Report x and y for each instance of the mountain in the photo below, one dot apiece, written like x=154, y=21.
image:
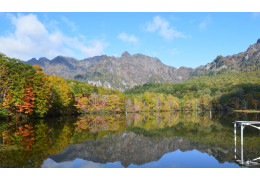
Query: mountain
x=128, y=70
x=119, y=73
x=66, y=67
x=248, y=60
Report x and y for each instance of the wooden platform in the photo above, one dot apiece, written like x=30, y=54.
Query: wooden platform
x=248, y=123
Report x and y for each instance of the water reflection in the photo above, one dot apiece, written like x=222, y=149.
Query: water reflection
x=132, y=140
x=240, y=160
x=176, y=159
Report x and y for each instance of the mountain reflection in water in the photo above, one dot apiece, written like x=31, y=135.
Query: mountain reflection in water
x=134, y=140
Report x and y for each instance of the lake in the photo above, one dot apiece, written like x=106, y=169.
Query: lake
x=134, y=140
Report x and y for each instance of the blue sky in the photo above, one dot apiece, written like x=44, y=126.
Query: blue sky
x=177, y=39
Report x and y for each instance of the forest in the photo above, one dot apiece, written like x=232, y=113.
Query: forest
x=222, y=92
x=27, y=93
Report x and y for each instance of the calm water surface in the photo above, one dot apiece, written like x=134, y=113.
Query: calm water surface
x=147, y=140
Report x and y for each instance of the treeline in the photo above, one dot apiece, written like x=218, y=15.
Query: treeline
x=219, y=92
x=81, y=89
x=93, y=99
x=224, y=92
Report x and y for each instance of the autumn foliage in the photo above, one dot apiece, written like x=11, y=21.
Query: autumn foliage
x=26, y=92
x=26, y=133
x=28, y=102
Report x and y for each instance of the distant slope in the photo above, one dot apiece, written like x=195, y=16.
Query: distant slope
x=65, y=67
x=119, y=73
x=198, y=86
x=248, y=60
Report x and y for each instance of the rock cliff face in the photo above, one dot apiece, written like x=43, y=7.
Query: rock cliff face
x=119, y=73
x=128, y=71
x=248, y=60
x=130, y=148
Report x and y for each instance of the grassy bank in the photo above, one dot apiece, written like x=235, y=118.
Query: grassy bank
x=248, y=111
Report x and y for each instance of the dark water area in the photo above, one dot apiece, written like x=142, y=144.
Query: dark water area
x=145, y=140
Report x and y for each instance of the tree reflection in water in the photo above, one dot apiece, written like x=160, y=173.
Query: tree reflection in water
x=135, y=139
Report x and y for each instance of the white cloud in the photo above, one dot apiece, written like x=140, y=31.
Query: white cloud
x=69, y=23
x=32, y=39
x=203, y=25
x=96, y=47
x=49, y=163
x=164, y=28
x=127, y=38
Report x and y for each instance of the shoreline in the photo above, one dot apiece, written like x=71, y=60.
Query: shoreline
x=248, y=111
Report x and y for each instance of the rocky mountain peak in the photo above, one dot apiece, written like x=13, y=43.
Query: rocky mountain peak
x=125, y=54
x=43, y=59
x=43, y=62
x=33, y=59
x=237, y=62
x=255, y=46
x=59, y=58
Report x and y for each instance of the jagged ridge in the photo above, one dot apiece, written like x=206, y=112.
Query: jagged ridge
x=119, y=73
x=248, y=60
x=128, y=70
